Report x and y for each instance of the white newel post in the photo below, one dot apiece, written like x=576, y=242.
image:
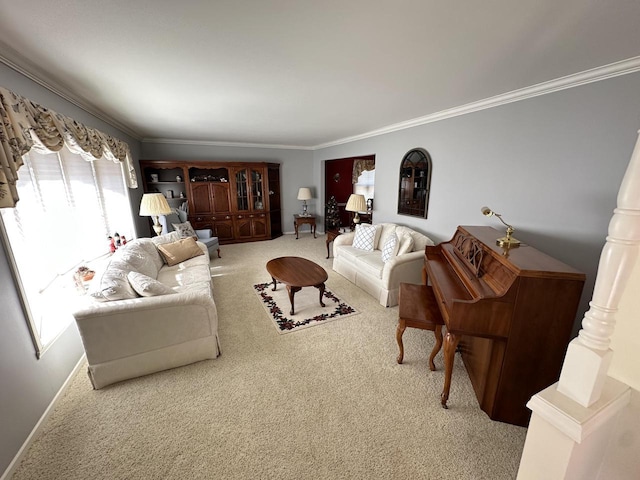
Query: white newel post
x=588, y=356
x=572, y=420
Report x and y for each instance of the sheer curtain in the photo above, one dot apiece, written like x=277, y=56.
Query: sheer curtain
x=68, y=207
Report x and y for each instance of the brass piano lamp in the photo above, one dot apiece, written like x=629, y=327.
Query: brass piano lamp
x=507, y=241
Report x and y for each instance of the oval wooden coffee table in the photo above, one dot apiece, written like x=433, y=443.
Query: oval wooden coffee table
x=295, y=273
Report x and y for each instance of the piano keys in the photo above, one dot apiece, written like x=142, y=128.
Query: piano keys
x=509, y=311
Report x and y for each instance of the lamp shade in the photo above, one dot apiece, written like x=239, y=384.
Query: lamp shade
x=356, y=203
x=304, y=194
x=154, y=204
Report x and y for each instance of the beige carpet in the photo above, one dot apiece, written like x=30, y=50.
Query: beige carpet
x=327, y=402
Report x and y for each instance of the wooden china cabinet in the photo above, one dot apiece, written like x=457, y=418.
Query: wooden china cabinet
x=239, y=201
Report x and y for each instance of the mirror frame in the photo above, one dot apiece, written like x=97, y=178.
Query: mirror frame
x=415, y=183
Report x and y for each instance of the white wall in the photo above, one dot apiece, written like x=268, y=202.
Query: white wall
x=552, y=165
x=296, y=168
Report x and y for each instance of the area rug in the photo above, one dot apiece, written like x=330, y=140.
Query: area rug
x=308, y=312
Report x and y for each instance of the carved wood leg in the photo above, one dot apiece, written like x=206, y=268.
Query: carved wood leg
x=399, y=332
x=436, y=348
x=295, y=224
x=292, y=291
x=450, y=344
x=274, y=284
x=219, y=254
x=321, y=288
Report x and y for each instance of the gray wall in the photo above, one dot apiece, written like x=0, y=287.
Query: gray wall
x=552, y=165
x=28, y=385
x=296, y=168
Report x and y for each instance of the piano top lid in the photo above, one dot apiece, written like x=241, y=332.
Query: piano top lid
x=526, y=260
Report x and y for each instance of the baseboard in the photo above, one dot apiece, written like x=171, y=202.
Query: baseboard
x=8, y=473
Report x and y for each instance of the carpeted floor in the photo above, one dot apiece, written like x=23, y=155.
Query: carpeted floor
x=327, y=402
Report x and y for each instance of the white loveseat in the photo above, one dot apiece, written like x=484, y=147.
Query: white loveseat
x=143, y=316
x=371, y=273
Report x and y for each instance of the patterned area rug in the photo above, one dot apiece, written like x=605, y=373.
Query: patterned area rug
x=308, y=312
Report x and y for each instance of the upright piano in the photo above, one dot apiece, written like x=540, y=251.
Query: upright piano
x=510, y=313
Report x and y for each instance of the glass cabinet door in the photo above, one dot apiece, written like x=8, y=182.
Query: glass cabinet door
x=242, y=190
x=257, y=190
x=415, y=183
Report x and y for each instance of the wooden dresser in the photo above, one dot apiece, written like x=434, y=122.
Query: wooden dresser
x=239, y=201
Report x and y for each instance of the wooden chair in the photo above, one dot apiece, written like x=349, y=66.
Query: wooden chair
x=418, y=309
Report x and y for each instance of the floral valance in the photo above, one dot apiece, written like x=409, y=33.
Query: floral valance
x=26, y=125
x=359, y=166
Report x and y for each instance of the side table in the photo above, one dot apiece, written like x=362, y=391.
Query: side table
x=301, y=220
x=331, y=236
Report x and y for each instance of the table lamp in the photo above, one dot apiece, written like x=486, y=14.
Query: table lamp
x=304, y=194
x=153, y=205
x=356, y=203
x=507, y=241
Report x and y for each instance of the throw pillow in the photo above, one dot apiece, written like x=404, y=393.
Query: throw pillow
x=146, y=286
x=406, y=244
x=365, y=237
x=390, y=248
x=185, y=230
x=176, y=252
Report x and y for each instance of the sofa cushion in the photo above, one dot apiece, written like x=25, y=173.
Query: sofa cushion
x=176, y=252
x=185, y=274
x=406, y=244
x=386, y=230
x=141, y=256
x=185, y=230
x=111, y=283
x=365, y=237
x=419, y=240
x=371, y=264
x=146, y=286
x=390, y=247
x=165, y=238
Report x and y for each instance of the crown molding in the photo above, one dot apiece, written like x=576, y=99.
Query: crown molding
x=23, y=66
x=605, y=72
x=623, y=67
x=224, y=144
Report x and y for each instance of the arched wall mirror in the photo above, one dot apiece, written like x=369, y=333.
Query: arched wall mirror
x=415, y=183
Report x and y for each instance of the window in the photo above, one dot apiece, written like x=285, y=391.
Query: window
x=68, y=207
x=366, y=183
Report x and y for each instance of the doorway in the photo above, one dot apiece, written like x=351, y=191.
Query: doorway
x=339, y=182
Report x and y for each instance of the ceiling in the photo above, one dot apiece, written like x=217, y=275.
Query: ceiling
x=302, y=73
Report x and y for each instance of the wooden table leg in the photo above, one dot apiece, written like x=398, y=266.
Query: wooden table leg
x=274, y=284
x=399, y=332
x=314, y=229
x=295, y=224
x=292, y=291
x=321, y=288
x=436, y=348
x=450, y=344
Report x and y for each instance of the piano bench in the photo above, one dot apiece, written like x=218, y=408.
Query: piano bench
x=418, y=309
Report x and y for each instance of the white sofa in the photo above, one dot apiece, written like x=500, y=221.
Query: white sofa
x=368, y=270
x=173, y=323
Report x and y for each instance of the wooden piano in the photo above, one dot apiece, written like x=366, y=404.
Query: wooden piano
x=510, y=312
